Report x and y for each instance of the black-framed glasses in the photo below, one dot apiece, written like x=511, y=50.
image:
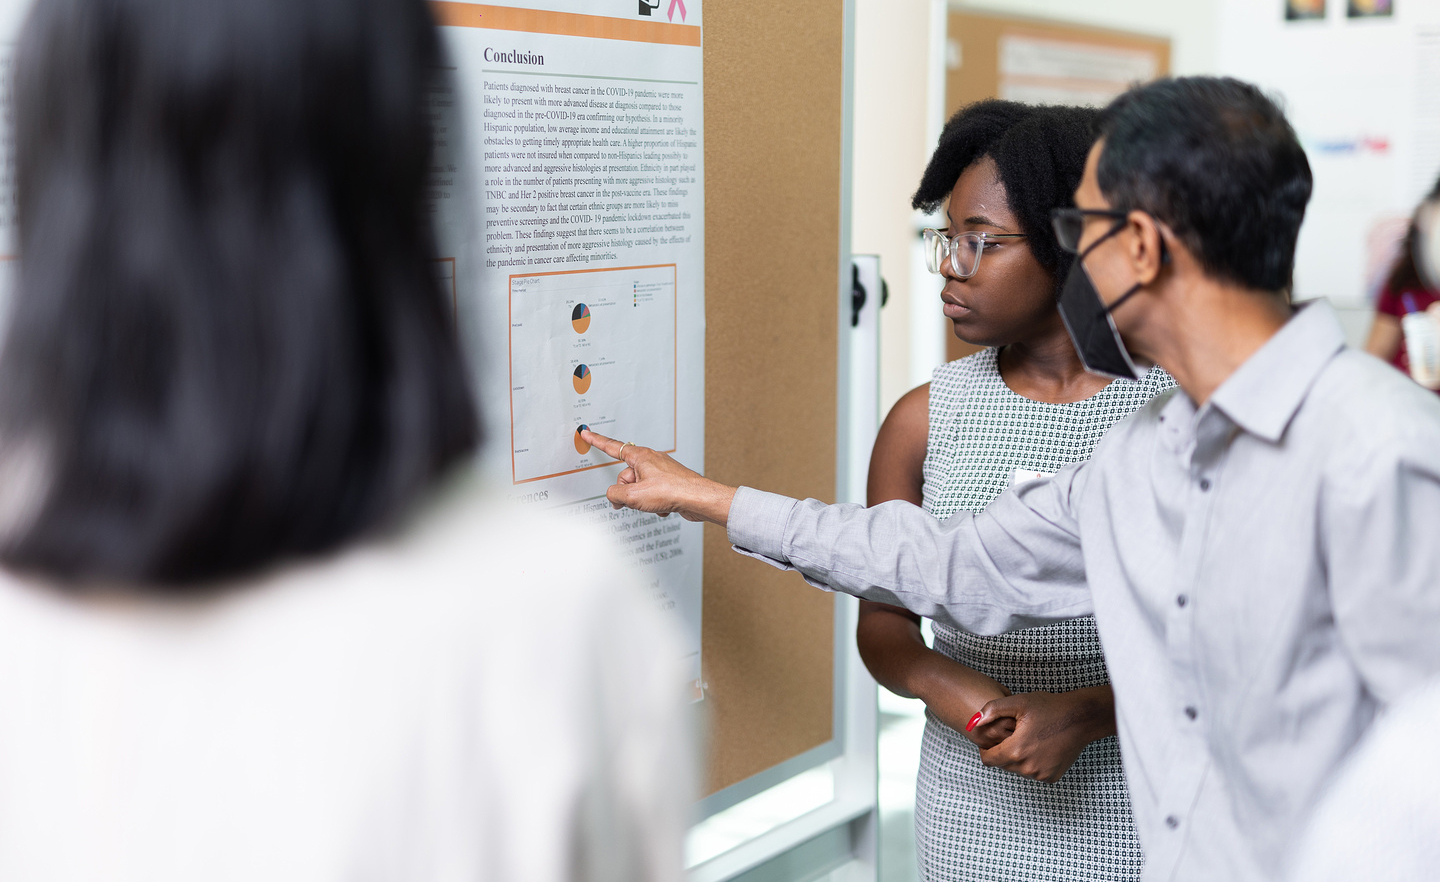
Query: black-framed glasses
x=1069, y=224
x=962, y=250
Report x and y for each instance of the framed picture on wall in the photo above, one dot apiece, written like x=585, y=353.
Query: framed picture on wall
x=1370, y=8
x=1301, y=10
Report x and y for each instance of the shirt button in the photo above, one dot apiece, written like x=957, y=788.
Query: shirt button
x=1204, y=484
x=1181, y=600
x=1191, y=712
x=1172, y=822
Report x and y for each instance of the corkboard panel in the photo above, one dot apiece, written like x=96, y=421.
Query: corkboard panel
x=978, y=76
x=773, y=77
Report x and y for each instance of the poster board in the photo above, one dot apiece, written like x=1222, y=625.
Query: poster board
x=1041, y=62
x=754, y=398
x=773, y=116
x=568, y=198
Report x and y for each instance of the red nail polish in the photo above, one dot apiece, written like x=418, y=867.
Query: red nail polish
x=973, y=720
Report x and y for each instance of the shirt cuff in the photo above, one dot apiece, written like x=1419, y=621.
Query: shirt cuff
x=756, y=528
x=757, y=522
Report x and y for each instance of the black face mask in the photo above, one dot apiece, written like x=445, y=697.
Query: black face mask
x=1091, y=328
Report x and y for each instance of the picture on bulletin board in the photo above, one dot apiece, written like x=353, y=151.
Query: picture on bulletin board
x=1370, y=8
x=1300, y=10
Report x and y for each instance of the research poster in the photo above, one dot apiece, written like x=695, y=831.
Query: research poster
x=569, y=202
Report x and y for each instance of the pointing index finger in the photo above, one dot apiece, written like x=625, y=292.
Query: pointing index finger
x=609, y=446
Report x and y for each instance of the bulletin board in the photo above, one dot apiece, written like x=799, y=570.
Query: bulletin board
x=566, y=192
x=773, y=102
x=1036, y=61
x=552, y=88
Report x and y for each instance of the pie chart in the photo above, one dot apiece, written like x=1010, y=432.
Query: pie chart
x=582, y=379
x=580, y=318
x=580, y=446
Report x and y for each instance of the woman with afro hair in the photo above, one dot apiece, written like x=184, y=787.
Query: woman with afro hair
x=1038, y=793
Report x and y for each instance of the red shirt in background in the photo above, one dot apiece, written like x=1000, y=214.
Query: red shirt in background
x=1407, y=300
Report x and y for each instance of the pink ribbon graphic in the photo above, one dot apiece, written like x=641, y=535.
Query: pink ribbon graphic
x=675, y=3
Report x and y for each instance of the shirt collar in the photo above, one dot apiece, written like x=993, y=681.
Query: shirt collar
x=1265, y=392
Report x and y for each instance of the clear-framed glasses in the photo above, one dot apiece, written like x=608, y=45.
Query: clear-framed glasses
x=1069, y=224
x=962, y=250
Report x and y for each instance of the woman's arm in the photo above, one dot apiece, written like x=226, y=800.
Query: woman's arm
x=1048, y=730
x=1384, y=340
x=889, y=637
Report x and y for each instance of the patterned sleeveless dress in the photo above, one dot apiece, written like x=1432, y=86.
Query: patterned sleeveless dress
x=978, y=823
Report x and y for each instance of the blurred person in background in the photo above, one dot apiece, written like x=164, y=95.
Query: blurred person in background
x=257, y=621
x=1039, y=790
x=1404, y=293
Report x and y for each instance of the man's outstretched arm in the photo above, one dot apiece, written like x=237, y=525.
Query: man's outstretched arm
x=1016, y=566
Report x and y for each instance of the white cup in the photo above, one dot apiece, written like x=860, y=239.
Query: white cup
x=1422, y=345
x=1427, y=250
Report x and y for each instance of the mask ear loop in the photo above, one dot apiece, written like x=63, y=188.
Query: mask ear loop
x=1106, y=310
x=1134, y=289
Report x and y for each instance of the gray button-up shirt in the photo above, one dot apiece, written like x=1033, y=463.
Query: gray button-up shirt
x=1263, y=571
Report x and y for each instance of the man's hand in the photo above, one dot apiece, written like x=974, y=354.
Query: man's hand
x=1050, y=730
x=655, y=483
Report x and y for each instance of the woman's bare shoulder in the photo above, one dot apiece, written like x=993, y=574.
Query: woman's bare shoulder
x=896, y=465
x=911, y=411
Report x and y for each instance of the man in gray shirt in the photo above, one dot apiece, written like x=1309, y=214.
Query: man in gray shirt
x=1260, y=548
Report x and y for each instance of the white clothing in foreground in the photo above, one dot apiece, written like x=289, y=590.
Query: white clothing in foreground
x=484, y=697
x=1381, y=820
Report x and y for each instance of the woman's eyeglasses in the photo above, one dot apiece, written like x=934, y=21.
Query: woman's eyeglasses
x=962, y=250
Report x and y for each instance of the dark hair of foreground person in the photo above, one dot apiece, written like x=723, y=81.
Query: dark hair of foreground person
x=227, y=346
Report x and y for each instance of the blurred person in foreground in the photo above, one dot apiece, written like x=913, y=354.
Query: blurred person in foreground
x=1405, y=293
x=256, y=619
x=1380, y=818
x=1256, y=546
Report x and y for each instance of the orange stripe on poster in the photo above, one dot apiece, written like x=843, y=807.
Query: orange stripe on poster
x=565, y=24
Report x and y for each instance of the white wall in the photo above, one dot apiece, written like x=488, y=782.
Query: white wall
x=1354, y=90
x=1190, y=25
x=893, y=97
x=899, y=58
x=1348, y=87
